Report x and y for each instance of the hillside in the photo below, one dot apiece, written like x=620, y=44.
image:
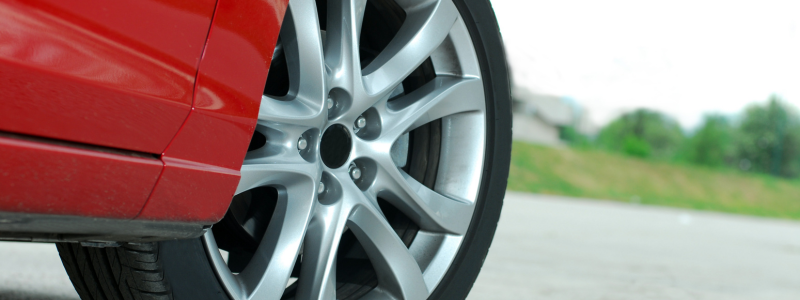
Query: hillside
x=602, y=175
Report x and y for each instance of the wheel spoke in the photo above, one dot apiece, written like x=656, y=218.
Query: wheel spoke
x=269, y=269
x=280, y=144
x=318, y=270
x=342, y=54
x=398, y=272
x=257, y=175
x=270, y=266
x=341, y=50
x=299, y=111
x=431, y=210
x=439, y=98
x=302, y=44
x=424, y=29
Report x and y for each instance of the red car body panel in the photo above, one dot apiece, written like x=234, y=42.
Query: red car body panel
x=117, y=74
x=202, y=163
x=105, y=82
x=51, y=178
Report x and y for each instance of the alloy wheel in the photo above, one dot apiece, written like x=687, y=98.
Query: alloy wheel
x=334, y=152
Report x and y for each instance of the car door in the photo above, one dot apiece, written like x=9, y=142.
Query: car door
x=111, y=73
x=91, y=94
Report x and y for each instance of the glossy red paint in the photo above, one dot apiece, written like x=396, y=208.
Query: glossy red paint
x=118, y=74
x=46, y=178
x=202, y=163
x=191, y=192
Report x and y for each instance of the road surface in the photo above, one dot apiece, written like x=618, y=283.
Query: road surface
x=562, y=248
x=558, y=248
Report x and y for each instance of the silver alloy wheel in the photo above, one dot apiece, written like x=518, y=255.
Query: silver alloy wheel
x=309, y=219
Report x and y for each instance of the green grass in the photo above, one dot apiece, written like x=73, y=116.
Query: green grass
x=603, y=175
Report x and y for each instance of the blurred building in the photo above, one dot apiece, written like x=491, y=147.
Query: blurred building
x=540, y=118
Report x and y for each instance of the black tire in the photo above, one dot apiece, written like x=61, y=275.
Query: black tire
x=481, y=22
x=182, y=270
x=132, y=271
x=141, y=271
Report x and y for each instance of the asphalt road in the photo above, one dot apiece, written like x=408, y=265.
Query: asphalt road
x=33, y=271
x=560, y=248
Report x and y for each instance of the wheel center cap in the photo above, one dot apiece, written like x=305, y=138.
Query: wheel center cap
x=335, y=146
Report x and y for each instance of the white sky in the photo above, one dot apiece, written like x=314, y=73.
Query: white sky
x=685, y=58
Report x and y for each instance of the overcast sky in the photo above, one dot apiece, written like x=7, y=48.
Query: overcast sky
x=685, y=58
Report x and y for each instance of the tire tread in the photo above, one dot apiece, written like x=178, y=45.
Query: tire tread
x=132, y=271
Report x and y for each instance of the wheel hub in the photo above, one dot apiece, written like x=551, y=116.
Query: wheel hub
x=335, y=146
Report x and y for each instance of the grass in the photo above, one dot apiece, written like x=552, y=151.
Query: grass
x=603, y=175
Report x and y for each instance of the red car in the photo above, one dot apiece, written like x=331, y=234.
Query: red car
x=255, y=149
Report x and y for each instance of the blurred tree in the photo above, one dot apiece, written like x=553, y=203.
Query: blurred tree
x=712, y=144
x=768, y=139
x=571, y=136
x=642, y=133
x=635, y=146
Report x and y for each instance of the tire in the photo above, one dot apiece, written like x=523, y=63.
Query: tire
x=482, y=24
x=187, y=269
x=132, y=271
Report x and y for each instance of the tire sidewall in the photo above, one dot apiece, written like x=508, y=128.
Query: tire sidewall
x=481, y=23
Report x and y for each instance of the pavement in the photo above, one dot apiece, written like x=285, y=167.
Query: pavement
x=33, y=271
x=557, y=248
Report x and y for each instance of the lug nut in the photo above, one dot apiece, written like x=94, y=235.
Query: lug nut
x=321, y=187
x=355, y=172
x=302, y=143
x=361, y=122
x=329, y=102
